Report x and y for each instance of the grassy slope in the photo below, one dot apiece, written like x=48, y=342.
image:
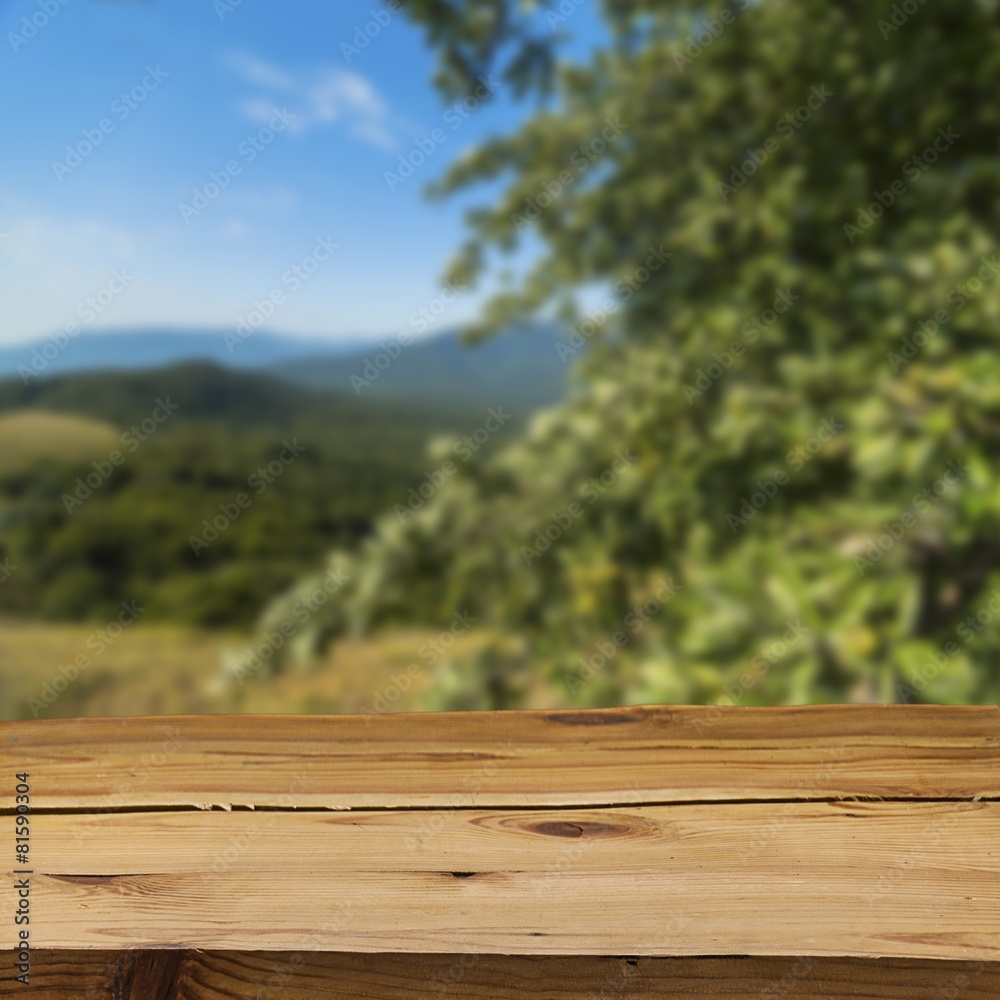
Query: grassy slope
x=205, y=392
x=166, y=670
x=27, y=436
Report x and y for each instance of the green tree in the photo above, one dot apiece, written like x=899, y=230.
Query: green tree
x=796, y=414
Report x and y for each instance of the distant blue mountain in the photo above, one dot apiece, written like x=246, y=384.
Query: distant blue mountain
x=155, y=348
x=518, y=368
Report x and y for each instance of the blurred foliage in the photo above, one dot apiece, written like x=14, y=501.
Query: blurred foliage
x=80, y=550
x=841, y=585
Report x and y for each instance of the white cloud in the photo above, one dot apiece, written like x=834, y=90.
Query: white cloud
x=258, y=71
x=375, y=133
x=338, y=89
x=260, y=112
x=327, y=95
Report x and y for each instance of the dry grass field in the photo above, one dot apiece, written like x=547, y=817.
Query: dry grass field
x=167, y=670
x=27, y=436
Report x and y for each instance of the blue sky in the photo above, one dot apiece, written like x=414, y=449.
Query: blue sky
x=177, y=92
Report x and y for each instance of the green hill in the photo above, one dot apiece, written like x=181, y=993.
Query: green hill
x=31, y=436
x=204, y=391
x=131, y=472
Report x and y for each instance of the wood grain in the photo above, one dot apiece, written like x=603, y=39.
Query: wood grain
x=108, y=975
x=713, y=879
x=469, y=760
x=867, y=832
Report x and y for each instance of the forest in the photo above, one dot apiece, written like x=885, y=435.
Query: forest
x=118, y=498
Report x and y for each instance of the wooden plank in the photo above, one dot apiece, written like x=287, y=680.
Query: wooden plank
x=58, y=975
x=112, y=975
x=711, y=879
x=154, y=975
x=647, y=838
x=96, y=975
x=468, y=760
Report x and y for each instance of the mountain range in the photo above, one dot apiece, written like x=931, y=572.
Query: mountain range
x=155, y=347
x=518, y=368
